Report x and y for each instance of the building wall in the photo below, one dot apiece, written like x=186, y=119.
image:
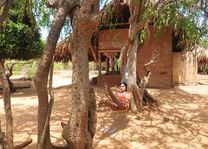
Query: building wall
x=112, y=39
x=162, y=71
x=184, y=68
x=172, y=68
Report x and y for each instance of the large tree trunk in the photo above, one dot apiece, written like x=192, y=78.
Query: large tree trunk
x=137, y=87
x=41, y=77
x=7, y=108
x=136, y=11
x=80, y=129
x=76, y=131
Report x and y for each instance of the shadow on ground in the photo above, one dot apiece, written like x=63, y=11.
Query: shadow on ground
x=179, y=123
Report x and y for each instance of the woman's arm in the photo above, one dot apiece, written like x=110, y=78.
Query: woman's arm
x=128, y=97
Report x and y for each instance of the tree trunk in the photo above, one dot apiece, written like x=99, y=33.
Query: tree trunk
x=4, y=13
x=2, y=138
x=136, y=10
x=92, y=116
x=49, y=108
x=7, y=108
x=76, y=131
x=41, y=76
x=80, y=129
x=8, y=75
x=132, y=60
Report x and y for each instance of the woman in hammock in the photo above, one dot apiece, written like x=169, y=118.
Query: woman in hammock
x=121, y=100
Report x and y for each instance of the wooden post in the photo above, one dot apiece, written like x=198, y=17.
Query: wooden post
x=107, y=65
x=99, y=60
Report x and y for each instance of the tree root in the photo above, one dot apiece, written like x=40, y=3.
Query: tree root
x=24, y=144
x=60, y=147
x=148, y=100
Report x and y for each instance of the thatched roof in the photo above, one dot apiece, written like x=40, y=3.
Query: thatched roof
x=202, y=55
x=62, y=53
x=116, y=15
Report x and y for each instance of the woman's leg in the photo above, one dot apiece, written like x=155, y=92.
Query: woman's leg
x=114, y=106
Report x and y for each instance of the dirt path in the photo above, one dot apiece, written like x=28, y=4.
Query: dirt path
x=180, y=123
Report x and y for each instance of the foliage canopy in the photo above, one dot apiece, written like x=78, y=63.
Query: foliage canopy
x=20, y=38
x=188, y=19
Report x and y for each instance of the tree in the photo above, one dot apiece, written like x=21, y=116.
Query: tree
x=7, y=109
x=80, y=130
x=19, y=39
x=41, y=76
x=160, y=13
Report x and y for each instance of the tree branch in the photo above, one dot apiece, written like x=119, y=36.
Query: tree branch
x=10, y=69
x=99, y=17
x=138, y=91
x=24, y=144
x=2, y=3
x=154, y=59
x=135, y=30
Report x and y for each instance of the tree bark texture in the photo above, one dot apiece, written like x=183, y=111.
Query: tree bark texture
x=80, y=129
x=41, y=76
x=132, y=60
x=76, y=131
x=2, y=138
x=7, y=108
x=6, y=6
x=49, y=109
x=136, y=10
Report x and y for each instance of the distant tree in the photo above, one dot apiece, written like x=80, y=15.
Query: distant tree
x=20, y=40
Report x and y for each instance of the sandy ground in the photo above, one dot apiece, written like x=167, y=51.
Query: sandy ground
x=180, y=123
